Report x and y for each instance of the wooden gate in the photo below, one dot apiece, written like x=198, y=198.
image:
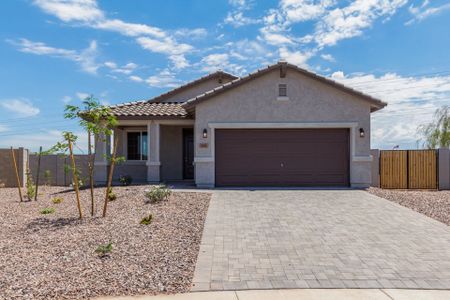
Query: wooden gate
x=408, y=169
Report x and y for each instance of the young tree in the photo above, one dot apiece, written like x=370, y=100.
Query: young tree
x=437, y=133
x=63, y=147
x=98, y=121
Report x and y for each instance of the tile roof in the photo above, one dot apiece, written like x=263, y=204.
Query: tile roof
x=190, y=103
x=217, y=74
x=148, y=109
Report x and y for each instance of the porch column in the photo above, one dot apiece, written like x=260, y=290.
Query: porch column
x=153, y=163
x=102, y=151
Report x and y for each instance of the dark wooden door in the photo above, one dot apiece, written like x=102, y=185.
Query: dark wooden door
x=282, y=157
x=188, y=153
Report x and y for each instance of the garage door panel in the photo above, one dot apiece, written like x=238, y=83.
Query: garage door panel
x=299, y=157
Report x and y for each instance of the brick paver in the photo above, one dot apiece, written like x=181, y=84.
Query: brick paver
x=267, y=239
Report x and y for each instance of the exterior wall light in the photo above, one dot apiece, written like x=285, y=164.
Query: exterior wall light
x=362, y=133
x=205, y=133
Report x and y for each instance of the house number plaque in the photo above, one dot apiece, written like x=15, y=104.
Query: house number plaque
x=203, y=145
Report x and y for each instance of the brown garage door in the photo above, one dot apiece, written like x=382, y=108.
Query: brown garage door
x=282, y=157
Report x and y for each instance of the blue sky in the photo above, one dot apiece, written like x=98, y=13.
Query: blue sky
x=57, y=52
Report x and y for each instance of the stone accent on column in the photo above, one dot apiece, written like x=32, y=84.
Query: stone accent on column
x=153, y=163
x=102, y=150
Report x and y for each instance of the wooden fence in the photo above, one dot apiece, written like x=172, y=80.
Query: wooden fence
x=409, y=169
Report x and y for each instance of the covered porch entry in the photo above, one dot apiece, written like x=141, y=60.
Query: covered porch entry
x=154, y=151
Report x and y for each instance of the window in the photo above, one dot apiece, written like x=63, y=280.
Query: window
x=137, y=145
x=282, y=90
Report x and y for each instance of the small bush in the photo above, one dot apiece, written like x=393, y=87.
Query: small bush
x=31, y=189
x=111, y=195
x=103, y=250
x=47, y=210
x=48, y=177
x=147, y=220
x=57, y=200
x=158, y=193
x=125, y=180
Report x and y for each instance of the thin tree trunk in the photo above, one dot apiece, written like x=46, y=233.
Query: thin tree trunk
x=17, y=174
x=37, y=174
x=75, y=179
x=91, y=172
x=110, y=175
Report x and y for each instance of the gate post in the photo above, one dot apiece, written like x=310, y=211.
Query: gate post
x=375, y=153
x=444, y=168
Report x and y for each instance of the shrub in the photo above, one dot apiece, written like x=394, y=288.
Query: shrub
x=111, y=195
x=47, y=210
x=158, y=193
x=57, y=200
x=125, y=180
x=103, y=250
x=31, y=189
x=48, y=177
x=147, y=220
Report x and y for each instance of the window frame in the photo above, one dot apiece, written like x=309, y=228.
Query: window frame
x=141, y=131
x=280, y=87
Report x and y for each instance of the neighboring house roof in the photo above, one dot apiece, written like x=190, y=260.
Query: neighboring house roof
x=376, y=104
x=217, y=74
x=148, y=109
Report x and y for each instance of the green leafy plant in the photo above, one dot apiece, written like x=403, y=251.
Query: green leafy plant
x=125, y=180
x=437, y=133
x=48, y=177
x=47, y=210
x=57, y=200
x=103, y=250
x=31, y=189
x=111, y=195
x=62, y=147
x=158, y=193
x=99, y=122
x=147, y=220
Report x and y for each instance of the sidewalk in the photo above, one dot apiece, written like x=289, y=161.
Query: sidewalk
x=302, y=294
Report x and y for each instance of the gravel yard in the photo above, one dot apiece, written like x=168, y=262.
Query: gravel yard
x=434, y=204
x=53, y=256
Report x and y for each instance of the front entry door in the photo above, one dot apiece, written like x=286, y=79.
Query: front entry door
x=188, y=153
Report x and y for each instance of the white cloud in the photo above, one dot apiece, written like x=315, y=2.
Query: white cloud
x=168, y=46
x=164, y=79
x=3, y=128
x=349, y=21
x=196, y=33
x=126, y=69
x=86, y=58
x=328, y=57
x=72, y=10
x=136, y=78
x=295, y=57
x=87, y=13
x=236, y=17
x=412, y=102
x=82, y=96
x=66, y=99
x=421, y=13
x=21, y=107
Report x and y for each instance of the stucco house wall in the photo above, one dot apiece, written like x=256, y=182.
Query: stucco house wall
x=310, y=101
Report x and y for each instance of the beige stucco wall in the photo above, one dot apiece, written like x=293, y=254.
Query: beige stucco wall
x=309, y=101
x=7, y=171
x=196, y=90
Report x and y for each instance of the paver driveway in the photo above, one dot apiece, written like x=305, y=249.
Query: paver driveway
x=319, y=239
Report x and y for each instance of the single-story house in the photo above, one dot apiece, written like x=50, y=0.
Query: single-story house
x=278, y=126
